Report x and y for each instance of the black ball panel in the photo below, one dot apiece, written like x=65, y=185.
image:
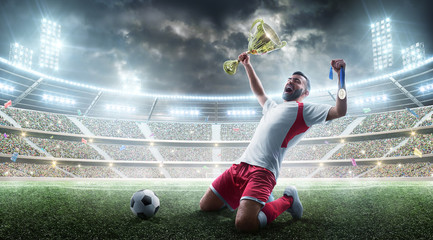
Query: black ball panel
x=146, y=200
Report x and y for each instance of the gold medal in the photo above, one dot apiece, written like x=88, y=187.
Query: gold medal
x=341, y=94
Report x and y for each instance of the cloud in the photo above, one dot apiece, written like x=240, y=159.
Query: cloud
x=178, y=47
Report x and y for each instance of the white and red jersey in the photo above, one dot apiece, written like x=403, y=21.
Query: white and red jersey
x=281, y=127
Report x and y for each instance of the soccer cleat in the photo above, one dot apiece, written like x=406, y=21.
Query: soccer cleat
x=296, y=209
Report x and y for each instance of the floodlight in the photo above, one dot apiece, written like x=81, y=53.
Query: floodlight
x=6, y=87
x=413, y=55
x=372, y=99
x=20, y=56
x=382, y=45
x=50, y=45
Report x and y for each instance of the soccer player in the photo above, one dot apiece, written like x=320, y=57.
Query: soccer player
x=246, y=186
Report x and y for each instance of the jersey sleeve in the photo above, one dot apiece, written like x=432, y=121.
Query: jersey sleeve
x=315, y=113
x=268, y=105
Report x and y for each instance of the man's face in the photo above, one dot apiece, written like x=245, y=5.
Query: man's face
x=294, y=87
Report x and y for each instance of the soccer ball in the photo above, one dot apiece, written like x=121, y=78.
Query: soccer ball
x=144, y=203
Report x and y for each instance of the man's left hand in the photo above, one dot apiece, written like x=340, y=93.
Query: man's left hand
x=337, y=64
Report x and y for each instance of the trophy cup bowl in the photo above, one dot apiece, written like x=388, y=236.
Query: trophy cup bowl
x=262, y=41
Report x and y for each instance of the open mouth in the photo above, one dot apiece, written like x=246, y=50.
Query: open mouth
x=288, y=89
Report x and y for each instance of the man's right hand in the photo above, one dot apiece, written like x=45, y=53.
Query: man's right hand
x=244, y=58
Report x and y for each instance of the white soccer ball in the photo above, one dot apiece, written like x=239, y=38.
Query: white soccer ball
x=144, y=204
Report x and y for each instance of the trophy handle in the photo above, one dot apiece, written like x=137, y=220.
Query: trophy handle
x=283, y=43
x=259, y=20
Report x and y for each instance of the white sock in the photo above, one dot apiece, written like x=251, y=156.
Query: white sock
x=263, y=220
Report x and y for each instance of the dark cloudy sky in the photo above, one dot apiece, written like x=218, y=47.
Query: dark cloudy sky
x=179, y=46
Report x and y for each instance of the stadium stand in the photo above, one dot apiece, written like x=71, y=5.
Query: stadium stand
x=42, y=121
x=181, y=131
x=129, y=152
x=175, y=131
x=422, y=142
x=112, y=128
x=388, y=121
x=66, y=149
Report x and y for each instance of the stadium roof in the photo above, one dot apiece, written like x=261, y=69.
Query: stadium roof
x=400, y=89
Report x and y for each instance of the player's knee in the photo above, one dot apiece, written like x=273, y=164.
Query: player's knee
x=246, y=224
x=204, y=206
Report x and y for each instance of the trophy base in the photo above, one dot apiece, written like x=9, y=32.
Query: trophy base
x=231, y=66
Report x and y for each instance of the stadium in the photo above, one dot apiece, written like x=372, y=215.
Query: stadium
x=71, y=157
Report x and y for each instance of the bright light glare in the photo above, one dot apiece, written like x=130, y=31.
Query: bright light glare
x=120, y=108
x=183, y=112
x=241, y=112
x=57, y=99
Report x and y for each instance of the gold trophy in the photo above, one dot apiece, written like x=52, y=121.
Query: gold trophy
x=264, y=40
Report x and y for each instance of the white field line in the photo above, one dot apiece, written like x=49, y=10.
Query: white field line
x=187, y=188
x=275, y=189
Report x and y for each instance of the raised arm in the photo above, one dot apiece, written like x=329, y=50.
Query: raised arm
x=255, y=84
x=340, y=108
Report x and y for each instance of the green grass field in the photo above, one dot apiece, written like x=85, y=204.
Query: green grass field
x=99, y=209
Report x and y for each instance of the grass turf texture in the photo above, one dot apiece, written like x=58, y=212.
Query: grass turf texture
x=99, y=209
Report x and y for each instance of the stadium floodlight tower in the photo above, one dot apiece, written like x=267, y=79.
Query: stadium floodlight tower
x=413, y=55
x=383, y=58
x=21, y=56
x=50, y=45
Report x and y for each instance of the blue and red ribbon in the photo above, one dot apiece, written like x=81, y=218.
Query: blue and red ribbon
x=342, y=76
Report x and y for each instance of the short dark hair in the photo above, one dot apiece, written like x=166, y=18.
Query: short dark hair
x=302, y=74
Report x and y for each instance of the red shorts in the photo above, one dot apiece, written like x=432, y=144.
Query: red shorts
x=244, y=181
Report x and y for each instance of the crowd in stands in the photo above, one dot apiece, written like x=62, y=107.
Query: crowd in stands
x=231, y=154
x=181, y=131
x=4, y=122
x=342, y=171
x=11, y=143
x=186, y=154
x=50, y=122
x=366, y=149
x=308, y=152
x=90, y=171
x=329, y=128
x=388, y=121
x=9, y=169
x=112, y=128
x=296, y=172
x=189, y=172
x=141, y=172
x=422, y=142
x=424, y=169
x=128, y=152
x=238, y=131
x=427, y=122
x=66, y=149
